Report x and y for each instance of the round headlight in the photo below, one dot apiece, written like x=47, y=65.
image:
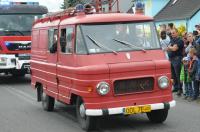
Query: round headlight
x=103, y=88
x=163, y=82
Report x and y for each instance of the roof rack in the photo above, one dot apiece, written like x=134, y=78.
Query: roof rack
x=91, y=8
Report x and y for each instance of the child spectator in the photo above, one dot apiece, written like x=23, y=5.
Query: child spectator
x=185, y=79
x=193, y=73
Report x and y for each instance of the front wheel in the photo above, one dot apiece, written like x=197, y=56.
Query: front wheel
x=158, y=116
x=47, y=102
x=87, y=122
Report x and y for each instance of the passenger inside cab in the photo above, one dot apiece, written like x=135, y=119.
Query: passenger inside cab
x=53, y=48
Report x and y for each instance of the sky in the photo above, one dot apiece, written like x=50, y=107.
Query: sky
x=52, y=5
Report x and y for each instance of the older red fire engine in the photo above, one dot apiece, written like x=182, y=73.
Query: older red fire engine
x=104, y=63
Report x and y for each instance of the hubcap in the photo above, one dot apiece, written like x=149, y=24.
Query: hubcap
x=82, y=110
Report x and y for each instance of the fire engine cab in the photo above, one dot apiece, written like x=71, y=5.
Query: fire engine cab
x=103, y=63
x=15, y=35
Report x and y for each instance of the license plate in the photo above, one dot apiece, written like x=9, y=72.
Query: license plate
x=137, y=109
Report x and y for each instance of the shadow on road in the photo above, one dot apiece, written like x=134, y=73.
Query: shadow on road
x=10, y=80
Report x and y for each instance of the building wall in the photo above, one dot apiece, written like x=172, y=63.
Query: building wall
x=152, y=7
x=194, y=21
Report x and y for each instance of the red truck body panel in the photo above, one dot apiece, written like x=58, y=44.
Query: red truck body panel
x=63, y=75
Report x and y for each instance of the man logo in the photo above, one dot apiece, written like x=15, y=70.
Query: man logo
x=128, y=56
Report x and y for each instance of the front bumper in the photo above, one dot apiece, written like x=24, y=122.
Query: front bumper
x=119, y=110
x=22, y=64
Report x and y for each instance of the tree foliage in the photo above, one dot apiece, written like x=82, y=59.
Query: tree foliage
x=70, y=3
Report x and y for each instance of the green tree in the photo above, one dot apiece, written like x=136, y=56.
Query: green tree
x=70, y=3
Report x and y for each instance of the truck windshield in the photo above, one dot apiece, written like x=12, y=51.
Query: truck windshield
x=117, y=37
x=17, y=25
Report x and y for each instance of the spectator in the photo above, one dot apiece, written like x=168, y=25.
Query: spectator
x=170, y=27
x=164, y=40
x=185, y=79
x=192, y=43
x=163, y=27
x=196, y=33
x=193, y=73
x=175, y=50
x=184, y=38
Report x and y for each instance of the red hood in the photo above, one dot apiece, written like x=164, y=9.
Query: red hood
x=124, y=62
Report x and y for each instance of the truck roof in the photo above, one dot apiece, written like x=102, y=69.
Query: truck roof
x=92, y=18
x=22, y=9
x=101, y=18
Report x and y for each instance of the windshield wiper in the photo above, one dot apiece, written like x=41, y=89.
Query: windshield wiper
x=19, y=32
x=100, y=45
x=128, y=44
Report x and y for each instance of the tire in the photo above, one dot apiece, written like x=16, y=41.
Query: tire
x=87, y=123
x=158, y=116
x=47, y=102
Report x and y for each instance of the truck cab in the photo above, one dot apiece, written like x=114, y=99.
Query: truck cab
x=15, y=35
x=103, y=63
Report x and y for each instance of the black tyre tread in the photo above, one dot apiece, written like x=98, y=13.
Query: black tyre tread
x=158, y=116
x=50, y=101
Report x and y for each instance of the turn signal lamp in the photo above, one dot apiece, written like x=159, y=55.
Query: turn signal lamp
x=89, y=89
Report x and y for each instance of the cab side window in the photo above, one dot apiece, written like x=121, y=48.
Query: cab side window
x=53, y=40
x=66, y=40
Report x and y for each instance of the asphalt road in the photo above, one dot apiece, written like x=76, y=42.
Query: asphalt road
x=19, y=112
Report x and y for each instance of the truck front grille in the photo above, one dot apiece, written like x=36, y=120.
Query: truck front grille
x=133, y=85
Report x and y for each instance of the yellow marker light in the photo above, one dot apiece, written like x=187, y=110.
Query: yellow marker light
x=89, y=89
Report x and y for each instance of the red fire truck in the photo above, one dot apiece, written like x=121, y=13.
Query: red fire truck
x=103, y=63
x=15, y=35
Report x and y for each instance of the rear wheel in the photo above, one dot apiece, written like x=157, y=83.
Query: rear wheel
x=87, y=122
x=47, y=102
x=158, y=116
